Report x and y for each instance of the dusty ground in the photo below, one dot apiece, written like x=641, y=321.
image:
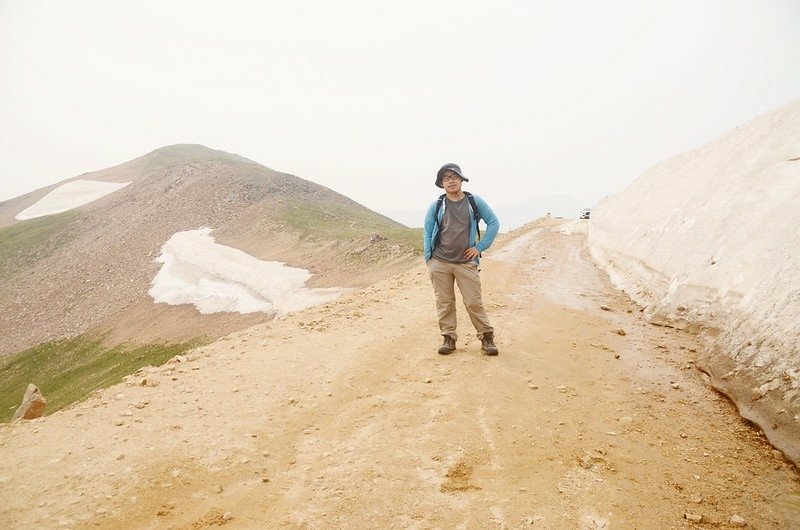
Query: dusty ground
x=344, y=416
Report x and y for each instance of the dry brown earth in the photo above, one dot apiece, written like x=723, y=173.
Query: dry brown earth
x=343, y=416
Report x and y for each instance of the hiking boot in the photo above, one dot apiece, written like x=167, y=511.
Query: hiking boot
x=448, y=346
x=487, y=344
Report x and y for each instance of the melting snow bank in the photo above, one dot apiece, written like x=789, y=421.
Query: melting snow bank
x=217, y=278
x=709, y=239
x=69, y=196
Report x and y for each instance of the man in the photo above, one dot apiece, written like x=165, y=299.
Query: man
x=452, y=247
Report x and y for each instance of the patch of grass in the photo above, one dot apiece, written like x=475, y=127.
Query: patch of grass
x=24, y=242
x=341, y=222
x=67, y=371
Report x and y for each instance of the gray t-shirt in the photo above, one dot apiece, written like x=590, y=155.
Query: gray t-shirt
x=453, y=232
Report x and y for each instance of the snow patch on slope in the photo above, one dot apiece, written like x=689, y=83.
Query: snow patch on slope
x=215, y=278
x=69, y=196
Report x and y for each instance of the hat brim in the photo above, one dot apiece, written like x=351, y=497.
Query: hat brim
x=444, y=170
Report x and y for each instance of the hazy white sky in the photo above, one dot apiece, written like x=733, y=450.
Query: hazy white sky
x=370, y=97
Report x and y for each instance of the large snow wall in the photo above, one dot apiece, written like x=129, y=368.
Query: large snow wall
x=709, y=241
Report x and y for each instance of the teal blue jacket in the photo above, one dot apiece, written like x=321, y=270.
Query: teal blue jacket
x=431, y=227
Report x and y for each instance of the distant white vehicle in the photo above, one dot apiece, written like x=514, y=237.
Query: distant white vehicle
x=585, y=213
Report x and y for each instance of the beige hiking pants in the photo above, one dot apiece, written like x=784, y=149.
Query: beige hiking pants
x=443, y=276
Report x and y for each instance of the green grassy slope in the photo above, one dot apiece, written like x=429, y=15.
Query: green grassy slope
x=23, y=243
x=341, y=222
x=67, y=371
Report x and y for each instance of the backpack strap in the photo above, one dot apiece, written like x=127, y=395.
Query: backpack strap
x=475, y=214
x=439, y=202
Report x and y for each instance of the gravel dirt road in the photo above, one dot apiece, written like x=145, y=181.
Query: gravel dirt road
x=343, y=416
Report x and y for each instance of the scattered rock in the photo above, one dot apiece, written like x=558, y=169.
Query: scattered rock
x=589, y=459
x=756, y=394
x=562, y=388
x=620, y=331
x=694, y=518
x=676, y=386
x=33, y=404
x=428, y=380
x=605, y=307
x=227, y=516
x=533, y=387
x=739, y=521
x=148, y=381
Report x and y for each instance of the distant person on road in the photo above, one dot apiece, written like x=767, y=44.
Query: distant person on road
x=452, y=247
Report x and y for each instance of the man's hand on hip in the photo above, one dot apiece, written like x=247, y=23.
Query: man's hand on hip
x=471, y=253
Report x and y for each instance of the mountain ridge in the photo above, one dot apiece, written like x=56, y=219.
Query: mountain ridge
x=93, y=266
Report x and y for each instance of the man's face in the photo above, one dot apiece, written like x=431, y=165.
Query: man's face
x=451, y=182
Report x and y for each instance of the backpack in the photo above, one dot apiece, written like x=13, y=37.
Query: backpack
x=475, y=215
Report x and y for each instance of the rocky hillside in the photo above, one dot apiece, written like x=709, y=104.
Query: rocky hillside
x=90, y=268
x=708, y=240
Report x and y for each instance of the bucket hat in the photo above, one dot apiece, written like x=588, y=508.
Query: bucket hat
x=455, y=168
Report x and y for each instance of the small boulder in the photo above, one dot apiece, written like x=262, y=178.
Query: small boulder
x=738, y=521
x=33, y=404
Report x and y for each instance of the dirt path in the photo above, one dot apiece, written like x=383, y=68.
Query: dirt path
x=344, y=416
